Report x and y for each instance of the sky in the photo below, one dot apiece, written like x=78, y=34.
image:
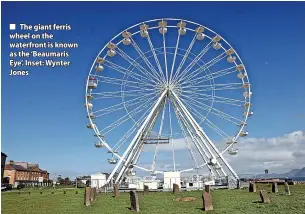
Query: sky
x=43, y=118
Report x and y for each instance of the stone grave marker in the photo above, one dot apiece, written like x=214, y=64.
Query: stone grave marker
x=116, y=190
x=287, y=190
x=176, y=188
x=264, y=196
x=134, y=201
x=146, y=189
x=94, y=193
x=207, y=188
x=274, y=187
x=252, y=187
x=91, y=194
x=87, y=196
x=207, y=201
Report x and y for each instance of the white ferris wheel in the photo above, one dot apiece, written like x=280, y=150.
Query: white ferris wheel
x=168, y=95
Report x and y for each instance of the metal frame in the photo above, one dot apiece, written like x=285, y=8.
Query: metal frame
x=143, y=78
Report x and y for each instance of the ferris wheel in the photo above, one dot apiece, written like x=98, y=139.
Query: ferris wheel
x=168, y=95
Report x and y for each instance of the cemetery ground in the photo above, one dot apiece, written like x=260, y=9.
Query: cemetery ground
x=224, y=201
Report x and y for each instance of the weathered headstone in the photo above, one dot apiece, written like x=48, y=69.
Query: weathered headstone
x=207, y=188
x=116, y=190
x=252, y=187
x=94, y=193
x=274, y=187
x=176, y=188
x=91, y=194
x=207, y=201
x=146, y=189
x=287, y=190
x=134, y=201
x=87, y=196
x=264, y=196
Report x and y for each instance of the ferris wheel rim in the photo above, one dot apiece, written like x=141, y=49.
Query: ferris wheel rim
x=173, y=19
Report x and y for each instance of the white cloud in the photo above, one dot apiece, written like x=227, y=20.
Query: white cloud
x=278, y=154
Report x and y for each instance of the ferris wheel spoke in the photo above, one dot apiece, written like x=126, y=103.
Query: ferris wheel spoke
x=213, y=98
x=155, y=57
x=126, y=117
x=128, y=72
x=130, y=131
x=212, y=110
x=213, y=126
x=131, y=61
x=214, y=87
x=175, y=55
x=203, y=68
x=105, y=112
x=120, y=94
x=195, y=81
x=143, y=98
x=128, y=83
x=196, y=59
x=184, y=57
x=165, y=58
x=147, y=62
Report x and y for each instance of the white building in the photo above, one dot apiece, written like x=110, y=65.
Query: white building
x=98, y=180
x=171, y=178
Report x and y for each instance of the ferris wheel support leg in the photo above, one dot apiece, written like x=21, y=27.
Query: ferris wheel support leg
x=136, y=139
x=203, y=136
x=137, y=151
x=196, y=143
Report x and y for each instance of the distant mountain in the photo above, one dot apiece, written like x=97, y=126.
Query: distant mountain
x=291, y=173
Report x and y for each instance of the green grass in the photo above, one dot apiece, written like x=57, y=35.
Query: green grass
x=224, y=201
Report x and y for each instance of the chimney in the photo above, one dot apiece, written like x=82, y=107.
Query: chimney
x=11, y=162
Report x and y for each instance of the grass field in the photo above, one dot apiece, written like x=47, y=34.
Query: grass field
x=224, y=201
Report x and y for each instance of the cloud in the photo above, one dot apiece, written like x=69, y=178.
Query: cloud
x=278, y=154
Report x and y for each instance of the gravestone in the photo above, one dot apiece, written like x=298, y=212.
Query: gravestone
x=274, y=187
x=175, y=188
x=207, y=201
x=252, y=187
x=287, y=190
x=207, y=188
x=91, y=194
x=264, y=196
x=87, y=196
x=134, y=201
x=94, y=193
x=146, y=189
x=116, y=190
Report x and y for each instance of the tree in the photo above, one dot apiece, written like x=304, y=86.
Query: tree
x=67, y=181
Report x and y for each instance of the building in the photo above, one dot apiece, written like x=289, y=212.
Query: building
x=25, y=173
x=3, y=159
x=171, y=178
x=98, y=180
